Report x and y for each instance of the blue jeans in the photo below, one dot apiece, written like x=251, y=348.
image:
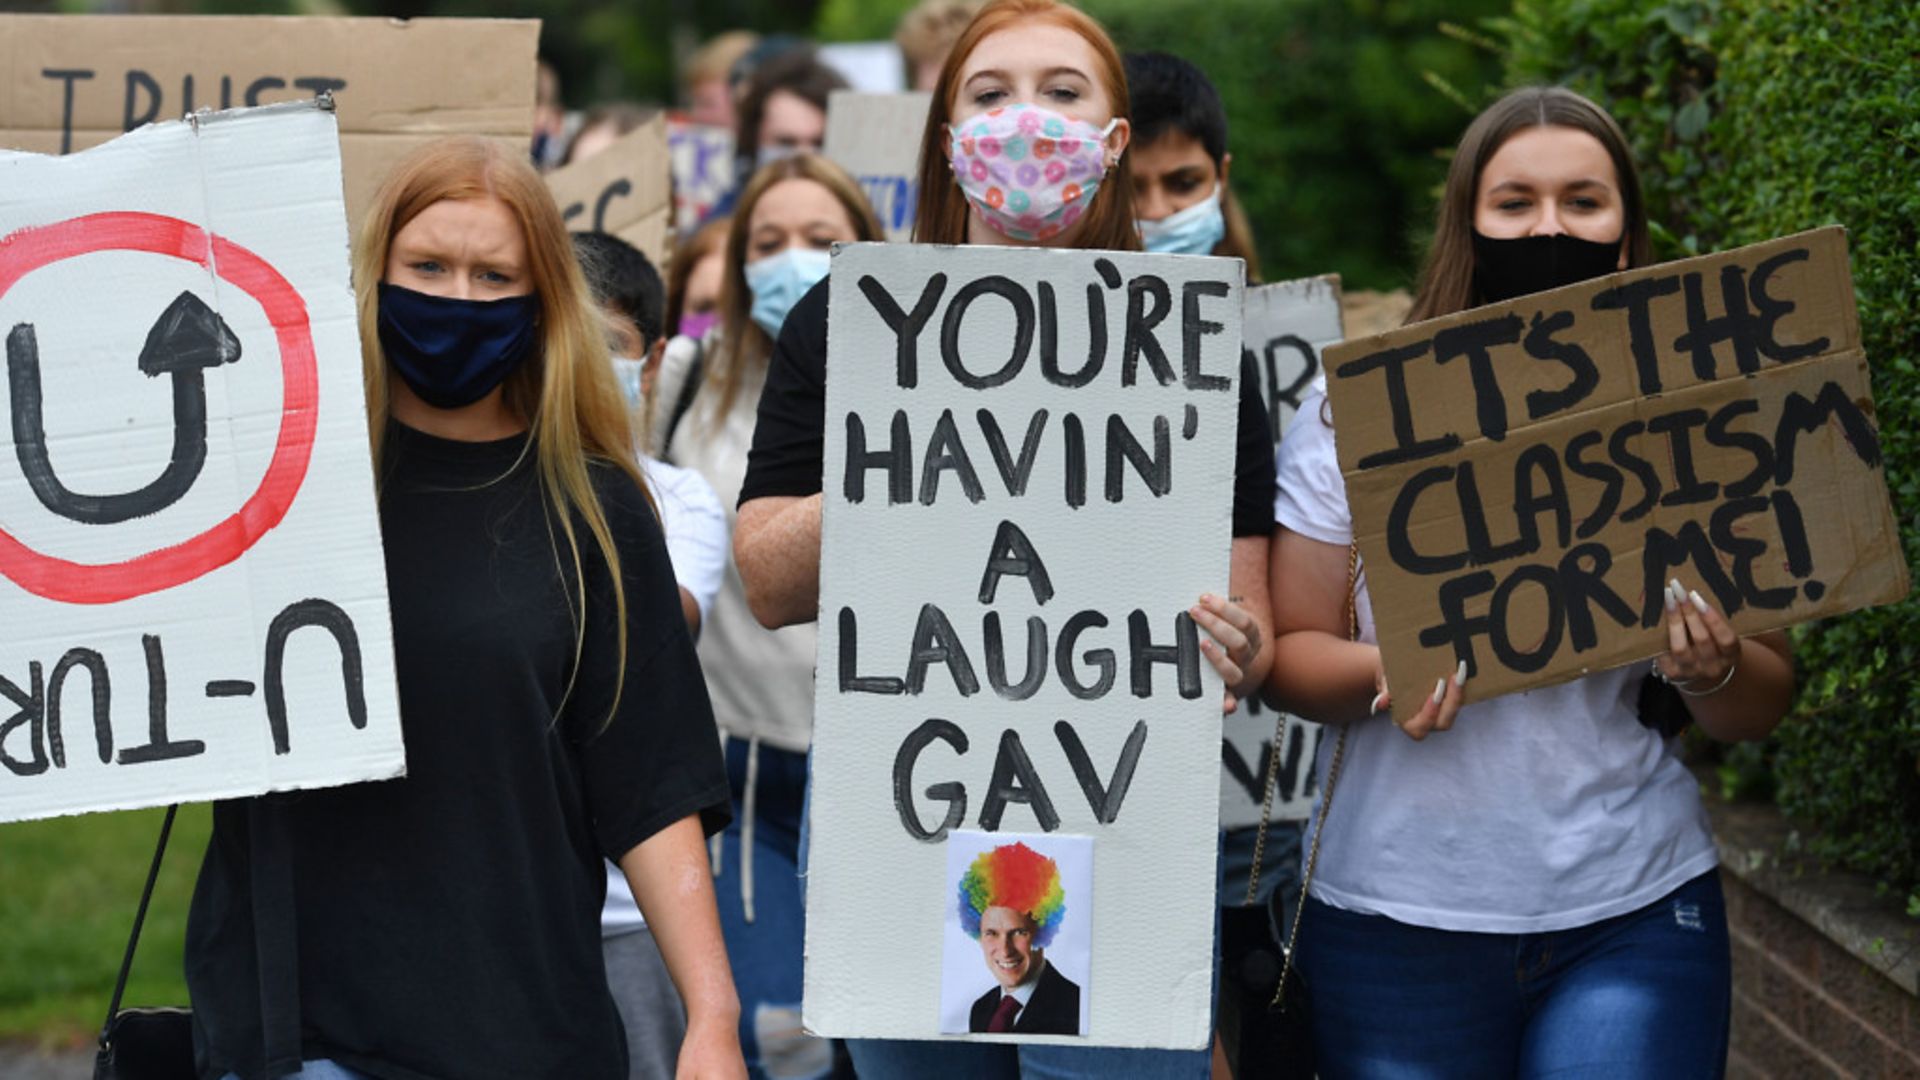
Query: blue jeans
x=907, y=1059
x=1645, y=994
x=765, y=949
x=318, y=1069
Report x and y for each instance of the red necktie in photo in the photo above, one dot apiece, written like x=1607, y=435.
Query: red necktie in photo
x=1003, y=1013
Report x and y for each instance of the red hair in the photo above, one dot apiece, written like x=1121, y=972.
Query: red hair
x=942, y=216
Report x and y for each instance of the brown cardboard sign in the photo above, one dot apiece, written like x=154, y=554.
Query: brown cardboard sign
x=68, y=82
x=624, y=190
x=1525, y=477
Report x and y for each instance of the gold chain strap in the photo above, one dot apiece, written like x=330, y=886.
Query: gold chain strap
x=1326, y=798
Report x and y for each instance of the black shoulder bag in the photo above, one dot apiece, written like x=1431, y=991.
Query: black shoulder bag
x=1283, y=1047
x=152, y=1043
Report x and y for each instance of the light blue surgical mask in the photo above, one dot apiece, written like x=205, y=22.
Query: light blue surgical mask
x=630, y=372
x=1193, y=231
x=779, y=281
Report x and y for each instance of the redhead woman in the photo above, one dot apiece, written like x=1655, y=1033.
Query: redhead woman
x=1016, y=58
x=788, y=217
x=1524, y=886
x=447, y=923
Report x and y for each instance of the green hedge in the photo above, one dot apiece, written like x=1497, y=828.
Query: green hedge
x=1335, y=109
x=1755, y=118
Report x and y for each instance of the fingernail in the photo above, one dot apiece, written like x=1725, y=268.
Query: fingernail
x=1460, y=674
x=1439, y=691
x=1698, y=601
x=1676, y=590
x=1377, y=699
x=1667, y=595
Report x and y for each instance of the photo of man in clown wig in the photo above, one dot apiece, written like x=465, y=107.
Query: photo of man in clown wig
x=1012, y=903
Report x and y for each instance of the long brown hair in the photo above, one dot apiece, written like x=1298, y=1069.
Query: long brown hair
x=1446, y=281
x=942, y=215
x=743, y=345
x=706, y=240
x=1238, y=241
x=565, y=392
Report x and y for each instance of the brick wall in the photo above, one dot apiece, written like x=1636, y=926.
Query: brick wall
x=1802, y=1006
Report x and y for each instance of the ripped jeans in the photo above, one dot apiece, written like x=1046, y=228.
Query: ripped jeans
x=1644, y=994
x=761, y=913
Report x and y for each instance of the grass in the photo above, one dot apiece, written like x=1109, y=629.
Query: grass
x=68, y=890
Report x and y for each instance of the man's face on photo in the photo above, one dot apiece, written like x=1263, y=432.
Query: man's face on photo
x=1006, y=939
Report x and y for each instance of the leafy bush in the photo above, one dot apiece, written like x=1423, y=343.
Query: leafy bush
x=1756, y=118
x=1334, y=110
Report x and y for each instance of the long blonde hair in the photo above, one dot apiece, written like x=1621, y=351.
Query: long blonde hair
x=566, y=391
x=743, y=345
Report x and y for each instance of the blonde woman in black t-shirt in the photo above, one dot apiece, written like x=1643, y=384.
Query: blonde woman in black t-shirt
x=447, y=923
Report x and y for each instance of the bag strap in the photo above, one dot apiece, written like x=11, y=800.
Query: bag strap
x=683, y=401
x=139, y=918
x=1326, y=796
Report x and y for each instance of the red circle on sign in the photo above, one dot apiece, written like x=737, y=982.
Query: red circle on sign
x=31, y=248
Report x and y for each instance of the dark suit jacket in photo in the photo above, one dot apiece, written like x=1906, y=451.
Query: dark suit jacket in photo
x=1054, y=1008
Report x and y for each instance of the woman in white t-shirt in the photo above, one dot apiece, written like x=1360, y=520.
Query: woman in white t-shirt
x=1527, y=884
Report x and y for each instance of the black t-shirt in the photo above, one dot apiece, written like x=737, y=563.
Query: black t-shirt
x=447, y=924
x=789, y=444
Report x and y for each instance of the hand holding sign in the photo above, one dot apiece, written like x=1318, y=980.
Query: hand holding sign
x=1708, y=419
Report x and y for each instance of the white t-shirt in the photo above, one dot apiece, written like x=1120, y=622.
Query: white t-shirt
x=696, y=528
x=760, y=680
x=698, y=541
x=1538, y=811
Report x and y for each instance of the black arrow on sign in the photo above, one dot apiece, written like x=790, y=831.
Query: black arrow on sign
x=189, y=338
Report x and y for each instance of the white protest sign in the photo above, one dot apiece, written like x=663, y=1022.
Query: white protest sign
x=1028, y=483
x=701, y=158
x=876, y=138
x=1286, y=325
x=190, y=564
x=874, y=67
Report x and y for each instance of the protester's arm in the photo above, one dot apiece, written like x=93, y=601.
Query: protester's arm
x=690, y=611
x=673, y=884
x=776, y=545
x=1318, y=672
x=776, y=532
x=1753, y=676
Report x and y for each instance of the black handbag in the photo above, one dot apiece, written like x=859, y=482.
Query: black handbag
x=1277, y=1041
x=153, y=1043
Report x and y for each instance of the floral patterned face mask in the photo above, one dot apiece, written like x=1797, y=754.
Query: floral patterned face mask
x=1029, y=171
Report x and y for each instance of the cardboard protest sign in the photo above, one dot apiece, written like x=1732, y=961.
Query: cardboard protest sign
x=876, y=138
x=623, y=190
x=73, y=81
x=1524, y=477
x=190, y=564
x=1029, y=460
x=702, y=164
x=1287, y=326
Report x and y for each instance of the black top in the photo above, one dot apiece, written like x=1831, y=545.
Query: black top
x=447, y=924
x=789, y=445
x=1053, y=1009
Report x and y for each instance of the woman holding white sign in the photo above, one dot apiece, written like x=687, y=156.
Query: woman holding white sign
x=1051, y=68
x=789, y=215
x=1524, y=885
x=446, y=923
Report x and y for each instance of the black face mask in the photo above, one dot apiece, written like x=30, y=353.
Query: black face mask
x=1504, y=269
x=454, y=352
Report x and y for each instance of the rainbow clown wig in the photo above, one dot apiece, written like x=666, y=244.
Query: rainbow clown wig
x=1018, y=877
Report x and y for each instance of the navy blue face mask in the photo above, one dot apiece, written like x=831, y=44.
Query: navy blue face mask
x=453, y=352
